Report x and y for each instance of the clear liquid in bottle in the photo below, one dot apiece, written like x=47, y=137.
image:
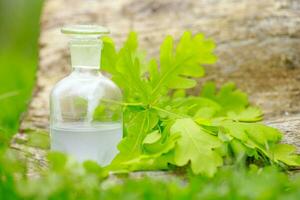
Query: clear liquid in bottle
x=96, y=142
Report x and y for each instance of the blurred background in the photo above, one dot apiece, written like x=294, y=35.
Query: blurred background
x=19, y=31
x=258, y=46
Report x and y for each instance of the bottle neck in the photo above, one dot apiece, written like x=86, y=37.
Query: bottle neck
x=85, y=72
x=85, y=54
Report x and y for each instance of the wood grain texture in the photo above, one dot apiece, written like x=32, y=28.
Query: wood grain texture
x=258, y=46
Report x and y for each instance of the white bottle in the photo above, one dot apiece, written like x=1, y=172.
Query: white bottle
x=85, y=109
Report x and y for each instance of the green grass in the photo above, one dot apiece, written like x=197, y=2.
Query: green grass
x=19, y=31
x=67, y=180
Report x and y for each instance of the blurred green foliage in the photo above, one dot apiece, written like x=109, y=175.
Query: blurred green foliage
x=19, y=30
x=230, y=183
x=66, y=179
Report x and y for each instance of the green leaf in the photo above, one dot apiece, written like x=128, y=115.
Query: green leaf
x=230, y=98
x=285, y=153
x=180, y=93
x=255, y=136
x=196, y=146
x=152, y=137
x=161, y=146
x=197, y=107
x=191, y=53
x=250, y=114
x=109, y=55
x=182, y=83
x=257, y=133
x=137, y=129
x=126, y=68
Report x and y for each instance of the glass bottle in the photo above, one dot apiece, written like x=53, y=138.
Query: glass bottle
x=85, y=111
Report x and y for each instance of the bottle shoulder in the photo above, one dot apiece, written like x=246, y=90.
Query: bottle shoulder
x=86, y=86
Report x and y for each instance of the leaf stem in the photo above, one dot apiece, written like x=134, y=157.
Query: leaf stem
x=122, y=103
x=168, y=112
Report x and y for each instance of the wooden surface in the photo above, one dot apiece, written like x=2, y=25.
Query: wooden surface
x=258, y=45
